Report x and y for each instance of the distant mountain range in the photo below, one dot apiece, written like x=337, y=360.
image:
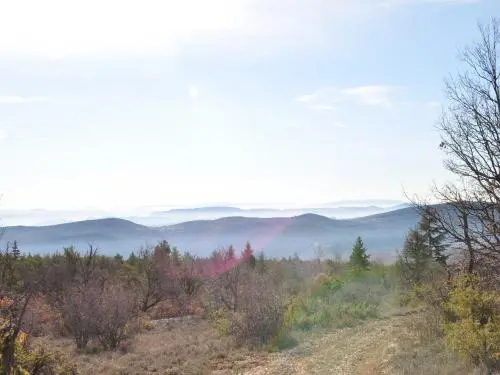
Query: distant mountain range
x=364, y=202
x=229, y=210
x=150, y=216
x=175, y=216
x=303, y=234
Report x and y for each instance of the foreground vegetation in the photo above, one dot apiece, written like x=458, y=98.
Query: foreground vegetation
x=101, y=303
x=70, y=313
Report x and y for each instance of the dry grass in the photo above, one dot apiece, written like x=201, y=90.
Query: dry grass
x=399, y=345
x=421, y=350
x=179, y=348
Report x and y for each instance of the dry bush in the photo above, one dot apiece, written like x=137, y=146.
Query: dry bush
x=80, y=313
x=261, y=314
x=39, y=317
x=225, y=273
x=187, y=276
x=113, y=313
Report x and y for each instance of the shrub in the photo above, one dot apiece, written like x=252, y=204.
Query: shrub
x=146, y=323
x=80, y=313
x=261, y=316
x=39, y=317
x=116, y=307
x=327, y=286
x=221, y=320
x=340, y=303
x=40, y=361
x=37, y=360
x=472, y=324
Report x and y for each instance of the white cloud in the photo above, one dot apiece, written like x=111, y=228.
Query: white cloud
x=323, y=107
x=3, y=135
x=325, y=98
x=14, y=99
x=329, y=98
x=62, y=28
x=372, y=95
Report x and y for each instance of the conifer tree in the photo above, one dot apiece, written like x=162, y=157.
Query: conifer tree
x=261, y=263
x=359, y=259
x=416, y=257
x=231, y=253
x=132, y=259
x=434, y=237
x=16, y=253
x=247, y=256
x=175, y=256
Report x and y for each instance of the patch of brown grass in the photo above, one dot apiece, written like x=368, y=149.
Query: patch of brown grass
x=193, y=347
x=422, y=350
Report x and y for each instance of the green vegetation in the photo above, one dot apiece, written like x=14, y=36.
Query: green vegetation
x=359, y=260
x=343, y=301
x=472, y=326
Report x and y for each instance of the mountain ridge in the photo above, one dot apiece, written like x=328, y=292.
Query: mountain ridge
x=277, y=236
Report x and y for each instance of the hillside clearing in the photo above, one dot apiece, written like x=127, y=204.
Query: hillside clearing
x=373, y=348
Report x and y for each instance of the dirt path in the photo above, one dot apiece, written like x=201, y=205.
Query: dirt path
x=359, y=350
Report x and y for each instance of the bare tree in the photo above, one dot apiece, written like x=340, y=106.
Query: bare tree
x=150, y=281
x=470, y=137
x=187, y=278
x=227, y=277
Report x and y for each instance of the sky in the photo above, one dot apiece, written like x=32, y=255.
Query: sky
x=112, y=104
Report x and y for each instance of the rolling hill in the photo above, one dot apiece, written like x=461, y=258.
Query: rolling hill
x=279, y=236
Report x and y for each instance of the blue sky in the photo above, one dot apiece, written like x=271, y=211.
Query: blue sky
x=116, y=104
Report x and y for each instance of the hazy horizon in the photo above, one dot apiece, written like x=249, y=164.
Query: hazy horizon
x=382, y=202
x=164, y=215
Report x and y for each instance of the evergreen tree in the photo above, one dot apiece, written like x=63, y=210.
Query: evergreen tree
x=16, y=253
x=247, y=256
x=231, y=253
x=163, y=248
x=175, y=256
x=261, y=263
x=416, y=258
x=187, y=256
x=132, y=259
x=434, y=237
x=359, y=259
x=119, y=258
